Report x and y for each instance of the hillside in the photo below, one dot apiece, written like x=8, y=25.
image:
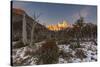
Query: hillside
x=17, y=19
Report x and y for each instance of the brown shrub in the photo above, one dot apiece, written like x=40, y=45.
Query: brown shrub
x=66, y=55
x=80, y=54
x=74, y=46
x=48, y=53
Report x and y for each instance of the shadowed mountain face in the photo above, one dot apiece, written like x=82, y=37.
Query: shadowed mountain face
x=17, y=22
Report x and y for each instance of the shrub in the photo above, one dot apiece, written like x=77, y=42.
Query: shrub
x=74, y=46
x=48, y=53
x=80, y=54
x=65, y=55
x=63, y=42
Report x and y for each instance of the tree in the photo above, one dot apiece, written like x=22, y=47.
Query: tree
x=77, y=29
x=35, y=17
x=90, y=30
x=49, y=53
x=24, y=33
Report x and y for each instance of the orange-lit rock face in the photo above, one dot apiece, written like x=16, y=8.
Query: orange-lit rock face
x=18, y=11
x=59, y=26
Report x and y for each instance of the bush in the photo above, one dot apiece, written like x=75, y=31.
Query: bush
x=49, y=53
x=63, y=42
x=80, y=54
x=66, y=55
x=74, y=46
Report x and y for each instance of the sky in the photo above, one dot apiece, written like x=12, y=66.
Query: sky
x=51, y=13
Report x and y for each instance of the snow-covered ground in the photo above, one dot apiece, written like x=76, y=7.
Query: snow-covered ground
x=26, y=55
x=89, y=49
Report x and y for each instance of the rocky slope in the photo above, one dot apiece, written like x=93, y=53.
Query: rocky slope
x=17, y=17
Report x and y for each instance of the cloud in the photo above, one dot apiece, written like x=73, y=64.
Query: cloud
x=85, y=12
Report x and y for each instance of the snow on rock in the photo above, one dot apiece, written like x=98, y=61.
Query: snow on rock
x=65, y=48
x=76, y=60
x=34, y=60
x=61, y=60
x=89, y=46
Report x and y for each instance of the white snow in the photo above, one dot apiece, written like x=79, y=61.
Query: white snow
x=61, y=60
x=76, y=60
x=90, y=50
x=65, y=48
x=19, y=54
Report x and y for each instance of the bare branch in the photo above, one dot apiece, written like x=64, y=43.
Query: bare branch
x=36, y=16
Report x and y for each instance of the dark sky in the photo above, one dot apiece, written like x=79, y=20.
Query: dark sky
x=54, y=13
